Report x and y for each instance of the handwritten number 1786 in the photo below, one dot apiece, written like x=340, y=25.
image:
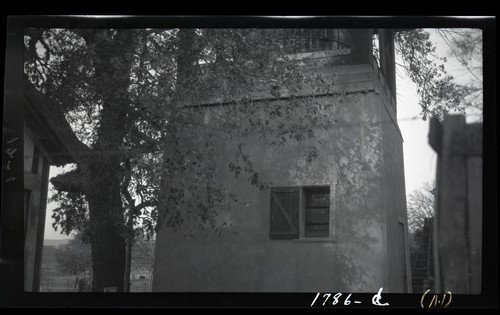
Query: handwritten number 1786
x=335, y=298
x=376, y=300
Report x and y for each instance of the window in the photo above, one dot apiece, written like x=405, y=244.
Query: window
x=300, y=212
x=317, y=212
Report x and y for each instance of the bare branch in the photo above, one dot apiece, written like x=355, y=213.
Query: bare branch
x=124, y=186
x=442, y=34
x=145, y=204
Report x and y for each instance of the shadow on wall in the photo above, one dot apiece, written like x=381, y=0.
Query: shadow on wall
x=350, y=161
x=346, y=142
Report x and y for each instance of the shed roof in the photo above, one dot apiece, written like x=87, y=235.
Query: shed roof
x=36, y=119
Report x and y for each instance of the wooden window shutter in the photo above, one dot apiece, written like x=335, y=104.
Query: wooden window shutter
x=284, y=212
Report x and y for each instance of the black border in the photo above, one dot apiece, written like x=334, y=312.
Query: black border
x=12, y=241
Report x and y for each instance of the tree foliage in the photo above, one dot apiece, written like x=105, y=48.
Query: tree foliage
x=420, y=207
x=75, y=258
x=71, y=215
x=466, y=47
x=438, y=92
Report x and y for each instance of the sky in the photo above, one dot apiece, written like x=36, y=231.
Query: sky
x=419, y=158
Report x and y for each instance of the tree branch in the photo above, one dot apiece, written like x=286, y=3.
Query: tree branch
x=124, y=186
x=149, y=143
x=124, y=189
x=144, y=204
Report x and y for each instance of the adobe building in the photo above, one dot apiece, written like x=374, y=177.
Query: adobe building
x=337, y=224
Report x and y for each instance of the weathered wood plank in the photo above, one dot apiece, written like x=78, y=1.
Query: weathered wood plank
x=30, y=235
x=349, y=78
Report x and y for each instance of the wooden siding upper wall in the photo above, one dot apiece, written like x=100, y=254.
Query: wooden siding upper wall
x=343, y=79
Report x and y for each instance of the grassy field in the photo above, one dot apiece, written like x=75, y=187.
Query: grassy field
x=53, y=280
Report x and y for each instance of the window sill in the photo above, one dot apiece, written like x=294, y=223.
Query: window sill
x=314, y=240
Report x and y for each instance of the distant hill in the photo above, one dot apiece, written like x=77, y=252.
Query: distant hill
x=55, y=243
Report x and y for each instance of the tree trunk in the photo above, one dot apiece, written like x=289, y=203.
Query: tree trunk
x=128, y=250
x=185, y=58
x=113, y=58
x=99, y=172
x=106, y=229
x=128, y=261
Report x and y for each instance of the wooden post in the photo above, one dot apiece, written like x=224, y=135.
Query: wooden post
x=41, y=224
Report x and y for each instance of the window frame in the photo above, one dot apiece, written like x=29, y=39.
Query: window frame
x=302, y=190
x=303, y=209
